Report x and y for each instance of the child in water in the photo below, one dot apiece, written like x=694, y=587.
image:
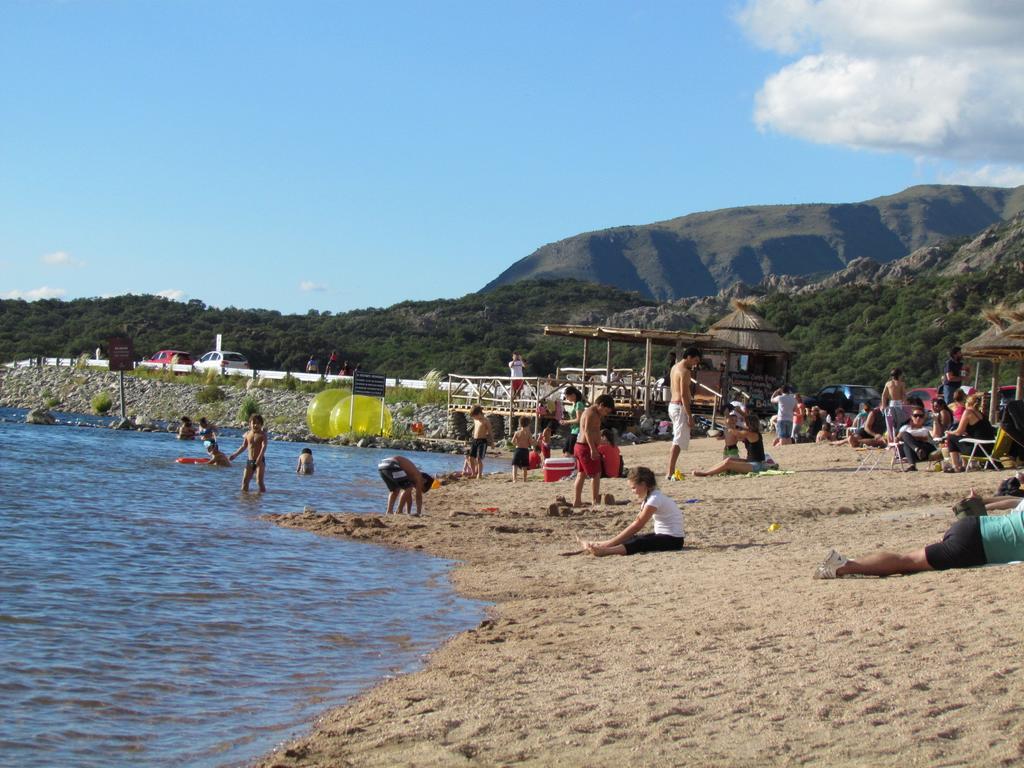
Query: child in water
x=305, y=465
x=255, y=441
x=186, y=431
x=217, y=457
x=522, y=440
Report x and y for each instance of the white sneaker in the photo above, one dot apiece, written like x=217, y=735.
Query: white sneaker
x=833, y=561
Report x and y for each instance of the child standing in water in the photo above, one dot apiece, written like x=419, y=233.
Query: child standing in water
x=305, y=465
x=255, y=441
x=522, y=440
x=481, y=439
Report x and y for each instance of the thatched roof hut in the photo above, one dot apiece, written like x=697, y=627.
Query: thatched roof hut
x=998, y=341
x=745, y=329
x=1001, y=341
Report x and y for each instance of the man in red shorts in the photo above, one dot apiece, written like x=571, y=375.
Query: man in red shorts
x=586, y=451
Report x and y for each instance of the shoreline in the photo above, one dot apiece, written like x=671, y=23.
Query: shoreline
x=725, y=654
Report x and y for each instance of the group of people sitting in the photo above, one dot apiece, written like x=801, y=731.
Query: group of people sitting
x=915, y=438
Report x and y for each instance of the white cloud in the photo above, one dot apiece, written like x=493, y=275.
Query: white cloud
x=174, y=294
x=986, y=176
x=44, y=292
x=938, y=78
x=308, y=286
x=61, y=259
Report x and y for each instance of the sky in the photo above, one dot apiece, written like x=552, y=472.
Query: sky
x=336, y=155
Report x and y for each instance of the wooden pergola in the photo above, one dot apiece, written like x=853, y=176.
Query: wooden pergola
x=646, y=336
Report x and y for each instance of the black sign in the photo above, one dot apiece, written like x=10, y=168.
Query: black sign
x=369, y=384
x=120, y=353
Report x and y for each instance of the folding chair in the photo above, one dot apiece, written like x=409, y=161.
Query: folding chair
x=891, y=443
x=981, y=445
x=869, y=457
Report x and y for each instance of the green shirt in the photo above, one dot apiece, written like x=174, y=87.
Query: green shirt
x=1002, y=536
x=574, y=413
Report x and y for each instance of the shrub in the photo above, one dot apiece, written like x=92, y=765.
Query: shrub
x=290, y=382
x=248, y=407
x=211, y=393
x=101, y=402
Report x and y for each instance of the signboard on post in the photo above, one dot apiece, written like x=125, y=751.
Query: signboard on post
x=122, y=358
x=369, y=384
x=121, y=353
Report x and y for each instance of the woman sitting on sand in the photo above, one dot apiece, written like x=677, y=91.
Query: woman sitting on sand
x=668, y=521
x=755, y=461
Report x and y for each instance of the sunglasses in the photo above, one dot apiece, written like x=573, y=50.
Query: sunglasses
x=917, y=415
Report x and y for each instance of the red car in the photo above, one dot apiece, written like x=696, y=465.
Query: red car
x=927, y=394
x=167, y=357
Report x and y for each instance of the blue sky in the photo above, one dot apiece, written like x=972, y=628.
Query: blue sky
x=338, y=155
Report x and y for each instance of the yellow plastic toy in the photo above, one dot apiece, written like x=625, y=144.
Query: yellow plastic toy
x=318, y=414
x=365, y=413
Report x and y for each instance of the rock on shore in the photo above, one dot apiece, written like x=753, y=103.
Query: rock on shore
x=149, y=401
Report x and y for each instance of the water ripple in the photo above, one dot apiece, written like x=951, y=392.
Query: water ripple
x=149, y=617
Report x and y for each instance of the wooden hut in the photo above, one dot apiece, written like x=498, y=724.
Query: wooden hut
x=755, y=357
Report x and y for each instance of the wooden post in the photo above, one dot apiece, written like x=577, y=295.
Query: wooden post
x=993, y=406
x=608, y=364
x=586, y=354
x=648, y=376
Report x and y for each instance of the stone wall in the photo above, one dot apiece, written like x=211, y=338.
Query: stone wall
x=150, y=400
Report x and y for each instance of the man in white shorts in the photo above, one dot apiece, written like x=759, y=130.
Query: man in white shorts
x=680, y=409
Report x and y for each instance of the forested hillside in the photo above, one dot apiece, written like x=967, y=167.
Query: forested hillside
x=474, y=334
x=852, y=327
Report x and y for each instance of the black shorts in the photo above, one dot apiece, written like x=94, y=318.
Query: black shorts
x=521, y=458
x=478, y=449
x=570, y=444
x=961, y=546
x=394, y=477
x=653, y=542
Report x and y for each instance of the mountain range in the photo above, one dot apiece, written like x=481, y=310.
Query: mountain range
x=702, y=254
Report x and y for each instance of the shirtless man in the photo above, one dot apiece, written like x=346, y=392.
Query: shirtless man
x=587, y=449
x=680, y=409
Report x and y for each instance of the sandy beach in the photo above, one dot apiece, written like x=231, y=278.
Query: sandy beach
x=725, y=654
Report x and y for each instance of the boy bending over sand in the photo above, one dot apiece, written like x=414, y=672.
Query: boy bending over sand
x=668, y=521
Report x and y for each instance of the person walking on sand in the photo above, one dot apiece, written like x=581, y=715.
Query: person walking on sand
x=977, y=539
x=402, y=477
x=588, y=449
x=680, y=409
x=481, y=439
x=255, y=441
x=668, y=533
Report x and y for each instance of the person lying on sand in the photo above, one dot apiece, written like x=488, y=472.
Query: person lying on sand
x=668, y=521
x=970, y=541
x=755, y=461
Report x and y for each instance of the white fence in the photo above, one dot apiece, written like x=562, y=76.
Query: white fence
x=68, y=362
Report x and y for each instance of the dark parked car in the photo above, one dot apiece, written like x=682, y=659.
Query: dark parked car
x=847, y=396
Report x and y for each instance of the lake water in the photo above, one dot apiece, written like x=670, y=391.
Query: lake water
x=148, y=617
